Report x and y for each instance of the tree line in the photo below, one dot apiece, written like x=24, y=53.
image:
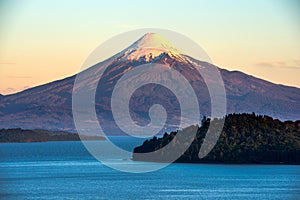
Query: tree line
x=245, y=138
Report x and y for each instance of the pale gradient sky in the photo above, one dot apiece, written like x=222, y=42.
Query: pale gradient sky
x=46, y=40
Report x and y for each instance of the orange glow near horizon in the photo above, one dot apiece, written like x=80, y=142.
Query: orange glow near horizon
x=40, y=44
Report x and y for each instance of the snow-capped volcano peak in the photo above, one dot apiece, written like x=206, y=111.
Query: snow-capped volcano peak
x=154, y=40
x=150, y=46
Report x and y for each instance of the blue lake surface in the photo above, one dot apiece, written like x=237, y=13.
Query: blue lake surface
x=66, y=170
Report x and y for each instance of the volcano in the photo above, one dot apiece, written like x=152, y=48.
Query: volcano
x=49, y=106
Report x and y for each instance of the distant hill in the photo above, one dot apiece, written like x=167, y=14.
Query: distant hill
x=20, y=135
x=246, y=138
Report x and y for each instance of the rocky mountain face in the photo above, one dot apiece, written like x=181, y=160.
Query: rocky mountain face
x=49, y=106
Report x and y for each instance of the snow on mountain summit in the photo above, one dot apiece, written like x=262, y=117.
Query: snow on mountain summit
x=150, y=46
x=154, y=40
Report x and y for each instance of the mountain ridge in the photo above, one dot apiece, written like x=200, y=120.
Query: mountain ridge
x=71, y=76
x=49, y=106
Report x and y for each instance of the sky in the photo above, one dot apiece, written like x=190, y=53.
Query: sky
x=45, y=40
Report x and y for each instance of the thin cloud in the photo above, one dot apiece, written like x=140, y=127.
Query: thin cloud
x=7, y=62
x=291, y=67
x=11, y=90
x=292, y=64
x=264, y=64
x=297, y=61
x=8, y=91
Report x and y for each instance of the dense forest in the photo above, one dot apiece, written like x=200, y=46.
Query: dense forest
x=245, y=138
x=21, y=135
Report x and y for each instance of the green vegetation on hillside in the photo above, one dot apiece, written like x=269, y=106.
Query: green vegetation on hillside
x=21, y=135
x=245, y=138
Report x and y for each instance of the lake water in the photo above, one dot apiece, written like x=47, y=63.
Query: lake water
x=56, y=170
